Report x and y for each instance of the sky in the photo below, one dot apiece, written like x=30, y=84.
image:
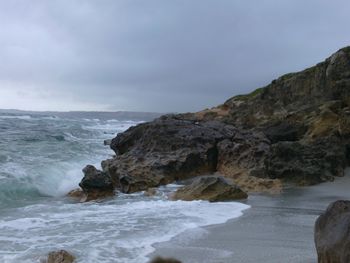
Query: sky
x=157, y=55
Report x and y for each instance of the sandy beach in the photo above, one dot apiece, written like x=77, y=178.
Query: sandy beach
x=277, y=228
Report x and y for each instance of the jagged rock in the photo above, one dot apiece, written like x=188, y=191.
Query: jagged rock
x=211, y=188
x=60, y=256
x=96, y=184
x=332, y=236
x=163, y=151
x=164, y=260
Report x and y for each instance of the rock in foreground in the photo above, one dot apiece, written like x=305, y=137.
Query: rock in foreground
x=332, y=234
x=60, y=256
x=211, y=188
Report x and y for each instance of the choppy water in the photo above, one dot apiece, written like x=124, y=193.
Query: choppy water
x=41, y=158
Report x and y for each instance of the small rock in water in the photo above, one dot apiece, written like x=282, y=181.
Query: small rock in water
x=165, y=260
x=151, y=192
x=77, y=194
x=211, y=188
x=107, y=142
x=60, y=256
x=96, y=184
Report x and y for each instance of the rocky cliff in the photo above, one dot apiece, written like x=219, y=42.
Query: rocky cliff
x=293, y=131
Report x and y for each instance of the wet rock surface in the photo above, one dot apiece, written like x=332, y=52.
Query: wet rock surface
x=210, y=188
x=332, y=236
x=96, y=184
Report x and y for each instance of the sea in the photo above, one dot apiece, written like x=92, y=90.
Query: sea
x=41, y=158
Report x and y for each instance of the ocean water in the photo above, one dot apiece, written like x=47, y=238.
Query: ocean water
x=41, y=158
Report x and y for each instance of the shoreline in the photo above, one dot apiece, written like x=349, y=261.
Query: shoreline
x=277, y=228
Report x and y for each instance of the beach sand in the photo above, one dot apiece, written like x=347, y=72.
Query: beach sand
x=276, y=229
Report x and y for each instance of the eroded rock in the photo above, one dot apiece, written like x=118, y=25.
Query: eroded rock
x=96, y=184
x=163, y=151
x=211, y=188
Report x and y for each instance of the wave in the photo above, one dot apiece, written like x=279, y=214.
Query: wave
x=21, y=117
x=124, y=229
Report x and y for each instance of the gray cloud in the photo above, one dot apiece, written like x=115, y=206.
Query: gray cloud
x=157, y=55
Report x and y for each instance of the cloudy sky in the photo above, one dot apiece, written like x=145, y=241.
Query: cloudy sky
x=157, y=55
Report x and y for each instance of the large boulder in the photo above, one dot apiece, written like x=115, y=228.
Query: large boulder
x=96, y=184
x=60, y=256
x=332, y=233
x=211, y=188
x=165, y=150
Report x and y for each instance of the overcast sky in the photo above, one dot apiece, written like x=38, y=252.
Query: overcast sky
x=157, y=55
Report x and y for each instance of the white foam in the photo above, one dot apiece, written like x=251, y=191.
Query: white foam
x=122, y=230
x=21, y=117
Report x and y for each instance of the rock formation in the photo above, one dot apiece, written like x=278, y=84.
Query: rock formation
x=211, y=188
x=295, y=130
x=332, y=234
x=96, y=184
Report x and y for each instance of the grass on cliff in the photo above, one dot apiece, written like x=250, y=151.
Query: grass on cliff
x=249, y=95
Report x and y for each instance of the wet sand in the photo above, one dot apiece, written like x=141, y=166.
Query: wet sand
x=276, y=229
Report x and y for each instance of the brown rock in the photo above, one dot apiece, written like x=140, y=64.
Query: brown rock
x=332, y=236
x=77, y=194
x=164, y=260
x=151, y=192
x=211, y=188
x=60, y=256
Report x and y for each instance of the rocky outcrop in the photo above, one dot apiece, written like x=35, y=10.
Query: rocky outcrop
x=60, y=256
x=210, y=188
x=96, y=184
x=164, y=260
x=294, y=130
x=163, y=151
x=332, y=234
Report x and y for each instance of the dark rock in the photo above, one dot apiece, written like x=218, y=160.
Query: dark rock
x=107, y=142
x=96, y=184
x=163, y=151
x=60, y=256
x=284, y=131
x=306, y=163
x=164, y=260
x=211, y=188
x=332, y=234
